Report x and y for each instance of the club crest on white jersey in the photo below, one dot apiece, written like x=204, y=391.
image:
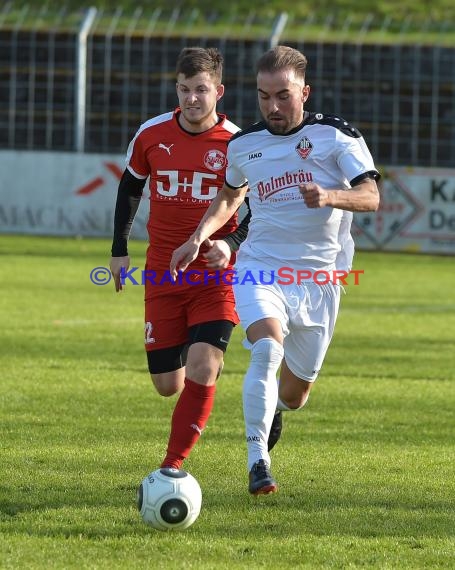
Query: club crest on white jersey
x=304, y=147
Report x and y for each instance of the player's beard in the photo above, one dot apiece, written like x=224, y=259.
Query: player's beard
x=285, y=125
x=277, y=128
x=199, y=117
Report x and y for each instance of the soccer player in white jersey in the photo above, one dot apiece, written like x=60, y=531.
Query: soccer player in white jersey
x=307, y=172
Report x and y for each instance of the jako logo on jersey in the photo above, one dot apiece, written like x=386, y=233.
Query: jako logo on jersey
x=254, y=155
x=215, y=159
x=304, y=147
x=277, y=183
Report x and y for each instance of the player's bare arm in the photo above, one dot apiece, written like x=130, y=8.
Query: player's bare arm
x=223, y=207
x=363, y=197
x=219, y=253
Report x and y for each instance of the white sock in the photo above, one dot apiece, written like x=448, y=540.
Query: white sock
x=260, y=394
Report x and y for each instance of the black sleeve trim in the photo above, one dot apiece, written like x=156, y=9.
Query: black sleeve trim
x=235, y=187
x=128, y=199
x=371, y=174
x=235, y=238
x=333, y=121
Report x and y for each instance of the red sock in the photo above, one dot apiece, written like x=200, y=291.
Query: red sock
x=190, y=417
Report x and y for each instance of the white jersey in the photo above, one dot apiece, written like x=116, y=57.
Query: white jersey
x=326, y=150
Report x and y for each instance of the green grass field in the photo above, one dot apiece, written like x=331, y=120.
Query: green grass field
x=366, y=471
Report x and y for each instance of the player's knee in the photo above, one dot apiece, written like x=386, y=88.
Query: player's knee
x=203, y=371
x=295, y=402
x=267, y=351
x=294, y=405
x=164, y=387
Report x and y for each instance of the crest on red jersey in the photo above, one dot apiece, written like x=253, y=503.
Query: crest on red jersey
x=304, y=147
x=215, y=159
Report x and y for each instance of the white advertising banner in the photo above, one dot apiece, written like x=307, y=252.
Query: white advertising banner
x=62, y=194
x=416, y=213
x=70, y=194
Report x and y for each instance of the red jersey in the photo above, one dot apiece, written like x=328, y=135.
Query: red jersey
x=186, y=173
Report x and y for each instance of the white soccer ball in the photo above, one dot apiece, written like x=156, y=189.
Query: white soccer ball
x=169, y=499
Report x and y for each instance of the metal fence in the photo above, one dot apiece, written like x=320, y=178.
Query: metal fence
x=86, y=86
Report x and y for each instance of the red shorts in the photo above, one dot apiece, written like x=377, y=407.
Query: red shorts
x=171, y=309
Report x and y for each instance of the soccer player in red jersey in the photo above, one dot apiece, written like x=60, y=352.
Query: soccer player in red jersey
x=188, y=323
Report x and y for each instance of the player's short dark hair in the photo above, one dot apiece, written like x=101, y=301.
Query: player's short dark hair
x=194, y=60
x=283, y=57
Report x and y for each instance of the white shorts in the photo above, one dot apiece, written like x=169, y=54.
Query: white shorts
x=307, y=313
